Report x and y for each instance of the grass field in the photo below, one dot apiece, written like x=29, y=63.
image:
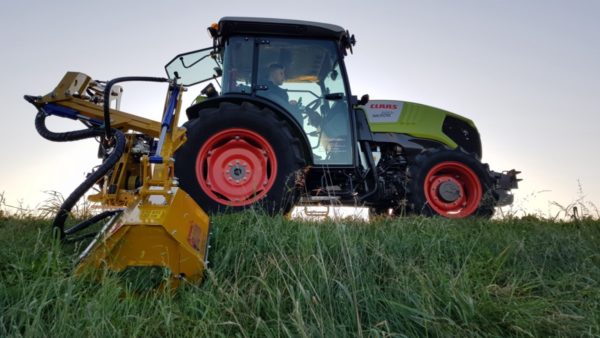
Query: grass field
x=272, y=277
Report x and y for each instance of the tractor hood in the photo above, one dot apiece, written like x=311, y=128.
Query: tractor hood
x=422, y=121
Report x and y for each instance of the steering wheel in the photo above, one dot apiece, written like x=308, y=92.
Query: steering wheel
x=310, y=111
x=314, y=118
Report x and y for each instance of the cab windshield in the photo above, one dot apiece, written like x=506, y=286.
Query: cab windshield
x=301, y=76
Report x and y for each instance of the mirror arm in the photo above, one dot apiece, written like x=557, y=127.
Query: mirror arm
x=192, y=65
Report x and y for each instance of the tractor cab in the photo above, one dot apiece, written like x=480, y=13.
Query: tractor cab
x=277, y=120
x=294, y=67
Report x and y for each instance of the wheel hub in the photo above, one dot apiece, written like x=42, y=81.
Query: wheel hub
x=236, y=167
x=238, y=171
x=449, y=190
x=446, y=192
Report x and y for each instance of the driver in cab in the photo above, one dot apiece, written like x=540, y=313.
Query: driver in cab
x=275, y=78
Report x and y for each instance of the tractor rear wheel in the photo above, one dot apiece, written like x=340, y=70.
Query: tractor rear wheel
x=449, y=183
x=236, y=156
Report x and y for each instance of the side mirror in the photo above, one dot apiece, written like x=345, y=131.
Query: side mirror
x=363, y=100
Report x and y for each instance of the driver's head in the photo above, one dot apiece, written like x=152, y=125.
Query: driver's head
x=276, y=74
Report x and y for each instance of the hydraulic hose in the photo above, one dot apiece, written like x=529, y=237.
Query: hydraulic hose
x=76, y=135
x=109, y=162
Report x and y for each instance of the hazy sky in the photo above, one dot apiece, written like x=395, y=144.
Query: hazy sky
x=526, y=71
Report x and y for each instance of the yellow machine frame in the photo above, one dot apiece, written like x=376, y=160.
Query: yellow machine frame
x=161, y=225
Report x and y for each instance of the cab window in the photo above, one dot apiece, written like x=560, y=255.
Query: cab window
x=301, y=76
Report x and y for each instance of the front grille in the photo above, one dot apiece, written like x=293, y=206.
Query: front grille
x=463, y=134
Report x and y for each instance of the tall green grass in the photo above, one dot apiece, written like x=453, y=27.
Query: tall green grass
x=271, y=277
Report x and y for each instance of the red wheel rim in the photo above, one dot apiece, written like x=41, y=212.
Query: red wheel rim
x=236, y=167
x=453, y=190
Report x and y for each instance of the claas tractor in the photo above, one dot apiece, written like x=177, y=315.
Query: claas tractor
x=282, y=129
x=275, y=127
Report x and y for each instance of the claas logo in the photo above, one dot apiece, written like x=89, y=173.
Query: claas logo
x=383, y=106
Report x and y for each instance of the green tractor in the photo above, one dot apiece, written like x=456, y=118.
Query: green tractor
x=277, y=126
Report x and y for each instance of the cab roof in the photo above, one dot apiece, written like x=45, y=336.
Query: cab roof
x=229, y=26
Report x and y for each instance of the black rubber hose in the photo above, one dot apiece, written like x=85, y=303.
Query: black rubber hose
x=91, y=221
x=69, y=203
x=40, y=126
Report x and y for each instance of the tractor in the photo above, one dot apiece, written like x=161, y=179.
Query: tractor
x=284, y=129
x=275, y=127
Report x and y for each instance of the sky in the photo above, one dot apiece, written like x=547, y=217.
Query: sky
x=527, y=72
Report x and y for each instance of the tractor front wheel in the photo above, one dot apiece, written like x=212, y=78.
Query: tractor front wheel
x=449, y=183
x=236, y=156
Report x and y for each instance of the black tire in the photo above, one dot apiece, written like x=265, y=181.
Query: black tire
x=423, y=187
x=261, y=130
